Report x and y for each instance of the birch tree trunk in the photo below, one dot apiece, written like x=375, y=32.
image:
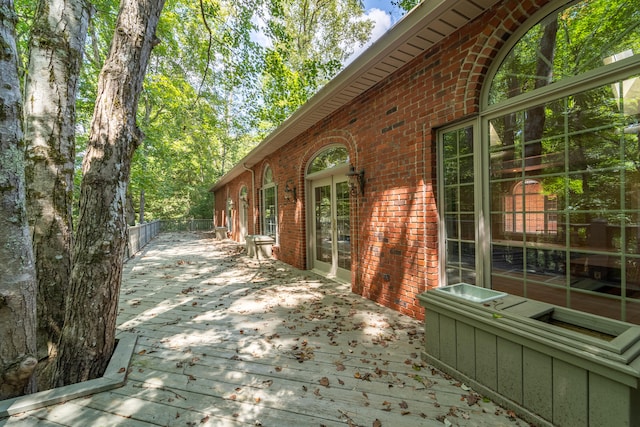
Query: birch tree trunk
x=88, y=335
x=55, y=57
x=17, y=273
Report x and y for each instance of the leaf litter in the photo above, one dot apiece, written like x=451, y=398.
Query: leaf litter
x=274, y=314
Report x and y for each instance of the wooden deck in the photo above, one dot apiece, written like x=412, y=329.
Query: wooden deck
x=225, y=340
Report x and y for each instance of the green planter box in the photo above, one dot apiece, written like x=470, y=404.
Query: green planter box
x=221, y=233
x=259, y=246
x=552, y=365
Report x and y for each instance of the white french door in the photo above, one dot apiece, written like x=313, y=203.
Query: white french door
x=331, y=230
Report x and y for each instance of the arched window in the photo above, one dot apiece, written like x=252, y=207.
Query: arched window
x=528, y=210
x=243, y=212
x=229, y=214
x=573, y=40
x=328, y=159
x=269, y=204
x=560, y=197
x=576, y=146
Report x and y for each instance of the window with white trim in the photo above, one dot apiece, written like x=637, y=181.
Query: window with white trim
x=269, y=204
x=557, y=166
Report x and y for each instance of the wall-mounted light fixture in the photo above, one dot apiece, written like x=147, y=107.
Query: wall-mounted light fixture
x=356, y=181
x=289, y=191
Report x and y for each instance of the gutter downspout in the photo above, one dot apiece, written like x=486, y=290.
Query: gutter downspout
x=253, y=196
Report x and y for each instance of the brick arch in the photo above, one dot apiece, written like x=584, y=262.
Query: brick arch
x=474, y=70
x=260, y=176
x=323, y=140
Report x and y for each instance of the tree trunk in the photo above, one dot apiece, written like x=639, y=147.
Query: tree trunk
x=535, y=118
x=17, y=273
x=88, y=335
x=55, y=56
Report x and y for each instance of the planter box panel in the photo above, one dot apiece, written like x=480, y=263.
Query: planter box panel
x=537, y=382
x=610, y=403
x=472, y=293
x=552, y=365
x=448, y=341
x=510, y=369
x=432, y=333
x=570, y=395
x=221, y=233
x=486, y=359
x=466, y=349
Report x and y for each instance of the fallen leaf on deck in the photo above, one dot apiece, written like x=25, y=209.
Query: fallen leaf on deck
x=324, y=381
x=472, y=399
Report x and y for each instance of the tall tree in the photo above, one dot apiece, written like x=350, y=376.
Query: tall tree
x=88, y=340
x=55, y=56
x=311, y=39
x=17, y=272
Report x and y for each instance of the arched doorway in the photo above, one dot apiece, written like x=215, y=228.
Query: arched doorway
x=330, y=214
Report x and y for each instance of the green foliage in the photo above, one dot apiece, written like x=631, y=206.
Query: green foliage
x=310, y=42
x=586, y=141
x=224, y=75
x=407, y=5
x=212, y=91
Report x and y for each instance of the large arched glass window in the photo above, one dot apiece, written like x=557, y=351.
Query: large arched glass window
x=569, y=42
x=560, y=197
x=564, y=168
x=269, y=204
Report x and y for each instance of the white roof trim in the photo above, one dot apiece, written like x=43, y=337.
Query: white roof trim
x=423, y=27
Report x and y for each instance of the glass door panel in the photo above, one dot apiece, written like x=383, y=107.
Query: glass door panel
x=332, y=228
x=343, y=225
x=323, y=226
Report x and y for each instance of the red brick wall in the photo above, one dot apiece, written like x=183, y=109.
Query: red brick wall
x=390, y=132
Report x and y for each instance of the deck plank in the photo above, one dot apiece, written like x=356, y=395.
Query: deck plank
x=225, y=340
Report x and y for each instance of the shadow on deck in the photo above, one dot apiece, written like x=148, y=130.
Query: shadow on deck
x=226, y=340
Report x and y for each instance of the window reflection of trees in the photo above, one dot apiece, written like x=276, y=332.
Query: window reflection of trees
x=564, y=177
x=328, y=159
x=269, y=206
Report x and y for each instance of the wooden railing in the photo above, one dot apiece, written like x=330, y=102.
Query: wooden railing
x=186, y=225
x=141, y=234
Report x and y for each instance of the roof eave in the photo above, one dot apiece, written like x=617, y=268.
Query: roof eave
x=424, y=16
